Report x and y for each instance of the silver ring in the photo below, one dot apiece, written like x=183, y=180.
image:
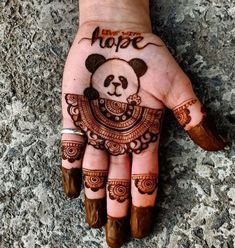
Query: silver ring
x=72, y=131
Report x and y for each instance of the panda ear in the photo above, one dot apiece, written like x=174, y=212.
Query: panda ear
x=139, y=66
x=91, y=93
x=93, y=61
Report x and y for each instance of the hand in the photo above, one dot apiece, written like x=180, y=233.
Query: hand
x=116, y=86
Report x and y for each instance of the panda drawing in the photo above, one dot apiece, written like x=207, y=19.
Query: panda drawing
x=112, y=78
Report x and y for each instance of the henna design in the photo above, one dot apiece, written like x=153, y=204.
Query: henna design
x=182, y=113
x=119, y=190
x=146, y=184
x=118, y=127
x=95, y=179
x=122, y=41
x=72, y=150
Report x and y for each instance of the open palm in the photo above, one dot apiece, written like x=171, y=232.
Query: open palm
x=116, y=85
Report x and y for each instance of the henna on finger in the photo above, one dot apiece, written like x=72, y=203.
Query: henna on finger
x=204, y=133
x=72, y=150
x=182, y=113
x=145, y=183
x=95, y=179
x=119, y=190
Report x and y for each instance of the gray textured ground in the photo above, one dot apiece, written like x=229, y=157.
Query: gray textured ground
x=196, y=206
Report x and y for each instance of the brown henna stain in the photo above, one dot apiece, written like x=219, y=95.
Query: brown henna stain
x=95, y=212
x=72, y=150
x=95, y=179
x=117, y=231
x=119, y=190
x=206, y=136
x=182, y=113
x=145, y=183
x=72, y=180
x=141, y=221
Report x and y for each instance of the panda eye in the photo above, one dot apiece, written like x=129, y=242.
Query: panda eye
x=124, y=81
x=108, y=80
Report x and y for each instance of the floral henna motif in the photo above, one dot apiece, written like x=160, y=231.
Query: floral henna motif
x=119, y=190
x=72, y=150
x=95, y=179
x=146, y=184
x=182, y=113
x=116, y=126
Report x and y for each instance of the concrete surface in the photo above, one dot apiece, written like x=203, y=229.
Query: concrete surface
x=196, y=205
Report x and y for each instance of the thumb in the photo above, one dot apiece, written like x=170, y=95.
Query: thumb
x=191, y=115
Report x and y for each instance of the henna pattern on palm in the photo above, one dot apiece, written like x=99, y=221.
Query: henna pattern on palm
x=72, y=150
x=182, y=113
x=115, y=126
x=119, y=125
x=95, y=179
x=146, y=184
x=119, y=190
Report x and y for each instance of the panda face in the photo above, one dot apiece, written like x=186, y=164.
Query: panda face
x=115, y=79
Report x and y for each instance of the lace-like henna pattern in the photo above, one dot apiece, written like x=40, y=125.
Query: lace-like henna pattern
x=146, y=184
x=182, y=113
x=72, y=150
x=116, y=126
x=95, y=179
x=119, y=190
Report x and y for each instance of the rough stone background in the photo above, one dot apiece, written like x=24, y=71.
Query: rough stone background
x=196, y=205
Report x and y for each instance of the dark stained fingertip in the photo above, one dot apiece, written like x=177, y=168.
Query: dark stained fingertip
x=141, y=221
x=206, y=136
x=96, y=214
x=72, y=180
x=117, y=231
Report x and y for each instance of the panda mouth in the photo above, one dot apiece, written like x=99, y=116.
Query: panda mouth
x=114, y=93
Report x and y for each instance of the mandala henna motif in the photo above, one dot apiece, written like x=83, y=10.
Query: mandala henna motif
x=182, y=113
x=119, y=190
x=146, y=184
x=72, y=150
x=116, y=126
x=95, y=179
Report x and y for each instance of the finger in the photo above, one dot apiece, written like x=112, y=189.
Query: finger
x=144, y=179
x=95, y=171
x=72, y=149
x=118, y=198
x=191, y=115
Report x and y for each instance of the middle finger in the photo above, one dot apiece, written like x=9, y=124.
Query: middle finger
x=118, y=198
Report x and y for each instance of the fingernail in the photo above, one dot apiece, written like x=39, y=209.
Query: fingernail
x=72, y=180
x=141, y=221
x=95, y=212
x=117, y=231
x=206, y=136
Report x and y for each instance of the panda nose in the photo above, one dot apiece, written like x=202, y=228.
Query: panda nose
x=116, y=84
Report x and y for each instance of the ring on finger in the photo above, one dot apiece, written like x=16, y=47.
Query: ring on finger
x=72, y=131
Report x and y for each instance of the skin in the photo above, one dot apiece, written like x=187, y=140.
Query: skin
x=164, y=85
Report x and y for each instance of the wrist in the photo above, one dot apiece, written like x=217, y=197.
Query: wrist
x=122, y=14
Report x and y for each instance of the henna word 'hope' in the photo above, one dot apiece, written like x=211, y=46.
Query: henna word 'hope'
x=95, y=179
x=118, y=42
x=146, y=184
x=72, y=150
x=119, y=190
